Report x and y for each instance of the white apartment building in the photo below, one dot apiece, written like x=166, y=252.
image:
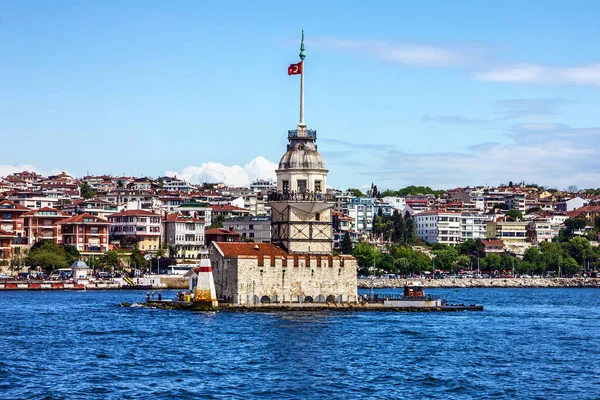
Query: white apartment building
x=140, y=226
x=185, y=234
x=397, y=203
x=472, y=226
x=362, y=212
x=439, y=227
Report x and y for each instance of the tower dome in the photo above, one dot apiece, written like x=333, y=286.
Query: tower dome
x=302, y=155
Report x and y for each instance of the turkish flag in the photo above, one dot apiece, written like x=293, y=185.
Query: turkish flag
x=295, y=69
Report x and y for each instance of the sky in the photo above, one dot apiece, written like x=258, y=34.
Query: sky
x=438, y=93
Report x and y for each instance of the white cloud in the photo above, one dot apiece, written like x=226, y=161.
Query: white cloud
x=406, y=53
x=548, y=154
x=540, y=74
x=6, y=170
x=235, y=175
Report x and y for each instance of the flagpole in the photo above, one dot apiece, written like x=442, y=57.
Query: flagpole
x=302, y=57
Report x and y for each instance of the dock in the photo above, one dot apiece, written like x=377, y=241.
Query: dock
x=306, y=307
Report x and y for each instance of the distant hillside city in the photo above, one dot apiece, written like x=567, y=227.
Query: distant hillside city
x=137, y=222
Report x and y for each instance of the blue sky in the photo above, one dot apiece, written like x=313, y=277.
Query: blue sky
x=437, y=93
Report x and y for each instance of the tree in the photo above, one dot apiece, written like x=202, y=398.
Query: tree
x=579, y=248
x=137, y=260
x=493, y=261
x=411, y=231
x=514, y=215
x=71, y=253
x=366, y=255
x=217, y=222
x=109, y=260
x=444, y=259
x=570, y=266
x=572, y=225
x=463, y=261
x=47, y=255
x=86, y=191
x=346, y=244
x=356, y=192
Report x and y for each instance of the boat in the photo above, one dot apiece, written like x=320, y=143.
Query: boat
x=413, y=296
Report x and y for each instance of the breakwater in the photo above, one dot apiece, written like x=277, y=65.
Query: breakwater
x=487, y=283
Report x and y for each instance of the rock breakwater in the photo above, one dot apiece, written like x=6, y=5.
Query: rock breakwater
x=487, y=283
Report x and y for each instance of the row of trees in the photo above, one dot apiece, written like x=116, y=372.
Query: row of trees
x=570, y=257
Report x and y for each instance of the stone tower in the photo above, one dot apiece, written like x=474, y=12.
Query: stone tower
x=301, y=211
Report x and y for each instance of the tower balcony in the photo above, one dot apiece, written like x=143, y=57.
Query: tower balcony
x=302, y=134
x=301, y=197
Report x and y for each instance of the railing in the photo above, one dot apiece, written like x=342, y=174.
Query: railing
x=300, y=196
x=380, y=298
x=310, y=134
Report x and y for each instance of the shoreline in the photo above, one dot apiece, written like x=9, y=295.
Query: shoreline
x=453, y=283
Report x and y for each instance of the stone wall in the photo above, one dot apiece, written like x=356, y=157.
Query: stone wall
x=245, y=281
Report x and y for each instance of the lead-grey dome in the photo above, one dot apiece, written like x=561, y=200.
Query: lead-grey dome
x=302, y=155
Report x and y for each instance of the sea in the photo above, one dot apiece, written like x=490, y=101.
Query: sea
x=526, y=344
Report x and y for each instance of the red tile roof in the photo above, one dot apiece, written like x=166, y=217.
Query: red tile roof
x=79, y=219
x=236, y=249
x=44, y=209
x=16, y=206
x=220, y=231
x=181, y=218
x=128, y=213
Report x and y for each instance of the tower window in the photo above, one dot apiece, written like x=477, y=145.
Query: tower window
x=286, y=186
x=318, y=216
x=317, y=186
x=301, y=185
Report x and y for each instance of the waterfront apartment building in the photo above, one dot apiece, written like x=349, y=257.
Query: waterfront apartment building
x=185, y=234
x=196, y=209
x=472, y=226
x=6, y=239
x=136, y=226
x=95, y=207
x=35, y=199
x=43, y=224
x=89, y=233
x=542, y=230
x=513, y=234
x=11, y=218
x=439, y=227
x=256, y=229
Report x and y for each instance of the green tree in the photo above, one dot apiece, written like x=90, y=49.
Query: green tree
x=356, y=192
x=47, y=255
x=217, y=222
x=346, y=244
x=109, y=260
x=570, y=266
x=463, y=261
x=387, y=263
x=579, y=248
x=71, y=253
x=514, y=215
x=137, y=260
x=86, y=191
x=572, y=225
x=366, y=255
x=444, y=259
x=493, y=261
x=411, y=231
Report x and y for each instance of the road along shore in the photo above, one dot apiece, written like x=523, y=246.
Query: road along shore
x=486, y=283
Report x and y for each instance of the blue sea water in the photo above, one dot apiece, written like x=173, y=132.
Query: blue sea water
x=527, y=344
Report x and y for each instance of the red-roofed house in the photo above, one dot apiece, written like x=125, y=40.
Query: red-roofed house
x=11, y=217
x=43, y=224
x=221, y=235
x=137, y=226
x=492, y=246
x=87, y=232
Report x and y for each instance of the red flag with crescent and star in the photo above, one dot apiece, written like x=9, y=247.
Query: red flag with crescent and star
x=295, y=69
